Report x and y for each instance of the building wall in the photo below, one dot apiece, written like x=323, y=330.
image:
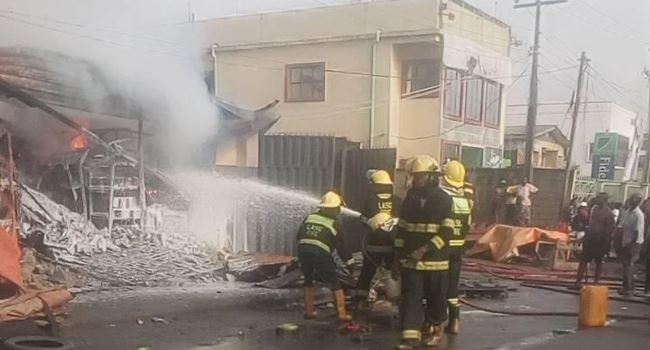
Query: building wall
x=540, y=146
x=254, y=77
x=471, y=23
x=419, y=118
x=546, y=203
x=253, y=51
x=324, y=23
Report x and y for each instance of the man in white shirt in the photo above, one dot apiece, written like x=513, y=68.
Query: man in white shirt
x=524, y=192
x=633, y=238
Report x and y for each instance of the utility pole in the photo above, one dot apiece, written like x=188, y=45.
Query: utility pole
x=646, y=176
x=531, y=119
x=574, y=121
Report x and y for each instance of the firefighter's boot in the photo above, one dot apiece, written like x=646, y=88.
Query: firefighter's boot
x=437, y=333
x=453, y=327
x=339, y=298
x=310, y=312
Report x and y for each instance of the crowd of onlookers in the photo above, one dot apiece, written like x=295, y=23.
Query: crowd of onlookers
x=604, y=228
x=600, y=228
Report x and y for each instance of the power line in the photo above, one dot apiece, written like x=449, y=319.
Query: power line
x=608, y=16
x=99, y=29
x=92, y=38
x=523, y=73
x=420, y=20
x=604, y=29
x=166, y=53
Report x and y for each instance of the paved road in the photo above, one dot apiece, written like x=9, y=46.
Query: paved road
x=236, y=317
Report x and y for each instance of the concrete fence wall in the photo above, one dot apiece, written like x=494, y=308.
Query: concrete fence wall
x=546, y=203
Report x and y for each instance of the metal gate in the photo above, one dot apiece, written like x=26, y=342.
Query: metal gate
x=586, y=188
x=306, y=163
x=317, y=164
x=314, y=164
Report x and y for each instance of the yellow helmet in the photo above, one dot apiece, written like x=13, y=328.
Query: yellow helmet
x=379, y=220
x=331, y=200
x=381, y=177
x=454, y=173
x=422, y=164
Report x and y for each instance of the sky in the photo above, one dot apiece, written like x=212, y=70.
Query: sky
x=614, y=34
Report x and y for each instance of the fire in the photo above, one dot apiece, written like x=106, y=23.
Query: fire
x=80, y=141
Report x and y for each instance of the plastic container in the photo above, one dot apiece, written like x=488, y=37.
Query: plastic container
x=594, y=303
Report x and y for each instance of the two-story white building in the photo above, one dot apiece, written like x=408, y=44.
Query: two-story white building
x=423, y=76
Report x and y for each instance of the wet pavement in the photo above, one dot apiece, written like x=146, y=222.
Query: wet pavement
x=239, y=317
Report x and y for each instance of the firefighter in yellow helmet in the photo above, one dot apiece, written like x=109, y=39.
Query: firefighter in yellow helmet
x=422, y=252
x=462, y=194
x=379, y=207
x=318, y=237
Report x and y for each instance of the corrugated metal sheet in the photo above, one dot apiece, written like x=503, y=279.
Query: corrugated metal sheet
x=306, y=163
x=314, y=164
x=357, y=163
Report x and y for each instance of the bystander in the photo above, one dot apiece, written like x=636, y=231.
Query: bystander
x=632, y=240
x=524, y=191
x=597, y=238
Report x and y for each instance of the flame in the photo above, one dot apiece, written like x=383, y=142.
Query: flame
x=80, y=141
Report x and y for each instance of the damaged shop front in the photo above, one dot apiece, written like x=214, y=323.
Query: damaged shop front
x=91, y=201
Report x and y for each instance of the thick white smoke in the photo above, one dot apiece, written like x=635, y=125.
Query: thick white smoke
x=146, y=57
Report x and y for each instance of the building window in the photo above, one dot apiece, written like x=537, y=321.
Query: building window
x=305, y=82
x=450, y=151
x=513, y=156
x=492, y=158
x=492, y=103
x=473, y=100
x=453, y=94
x=420, y=75
x=472, y=157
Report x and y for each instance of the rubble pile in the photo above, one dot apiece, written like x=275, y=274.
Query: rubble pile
x=164, y=254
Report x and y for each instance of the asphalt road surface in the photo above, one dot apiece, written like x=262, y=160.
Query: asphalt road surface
x=239, y=317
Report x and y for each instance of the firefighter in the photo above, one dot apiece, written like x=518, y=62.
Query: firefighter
x=378, y=248
x=318, y=237
x=422, y=254
x=462, y=195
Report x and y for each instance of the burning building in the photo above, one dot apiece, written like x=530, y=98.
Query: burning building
x=80, y=137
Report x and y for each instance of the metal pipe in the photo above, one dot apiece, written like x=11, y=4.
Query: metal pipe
x=214, y=68
x=373, y=88
x=141, y=185
x=111, y=196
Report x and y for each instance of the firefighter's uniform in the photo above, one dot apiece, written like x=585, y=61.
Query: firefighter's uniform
x=462, y=195
x=378, y=248
x=318, y=237
x=424, y=226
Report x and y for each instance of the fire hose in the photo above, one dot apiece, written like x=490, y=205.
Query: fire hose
x=549, y=313
x=566, y=291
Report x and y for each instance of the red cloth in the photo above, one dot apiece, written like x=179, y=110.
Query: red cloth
x=10, y=253
x=10, y=257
